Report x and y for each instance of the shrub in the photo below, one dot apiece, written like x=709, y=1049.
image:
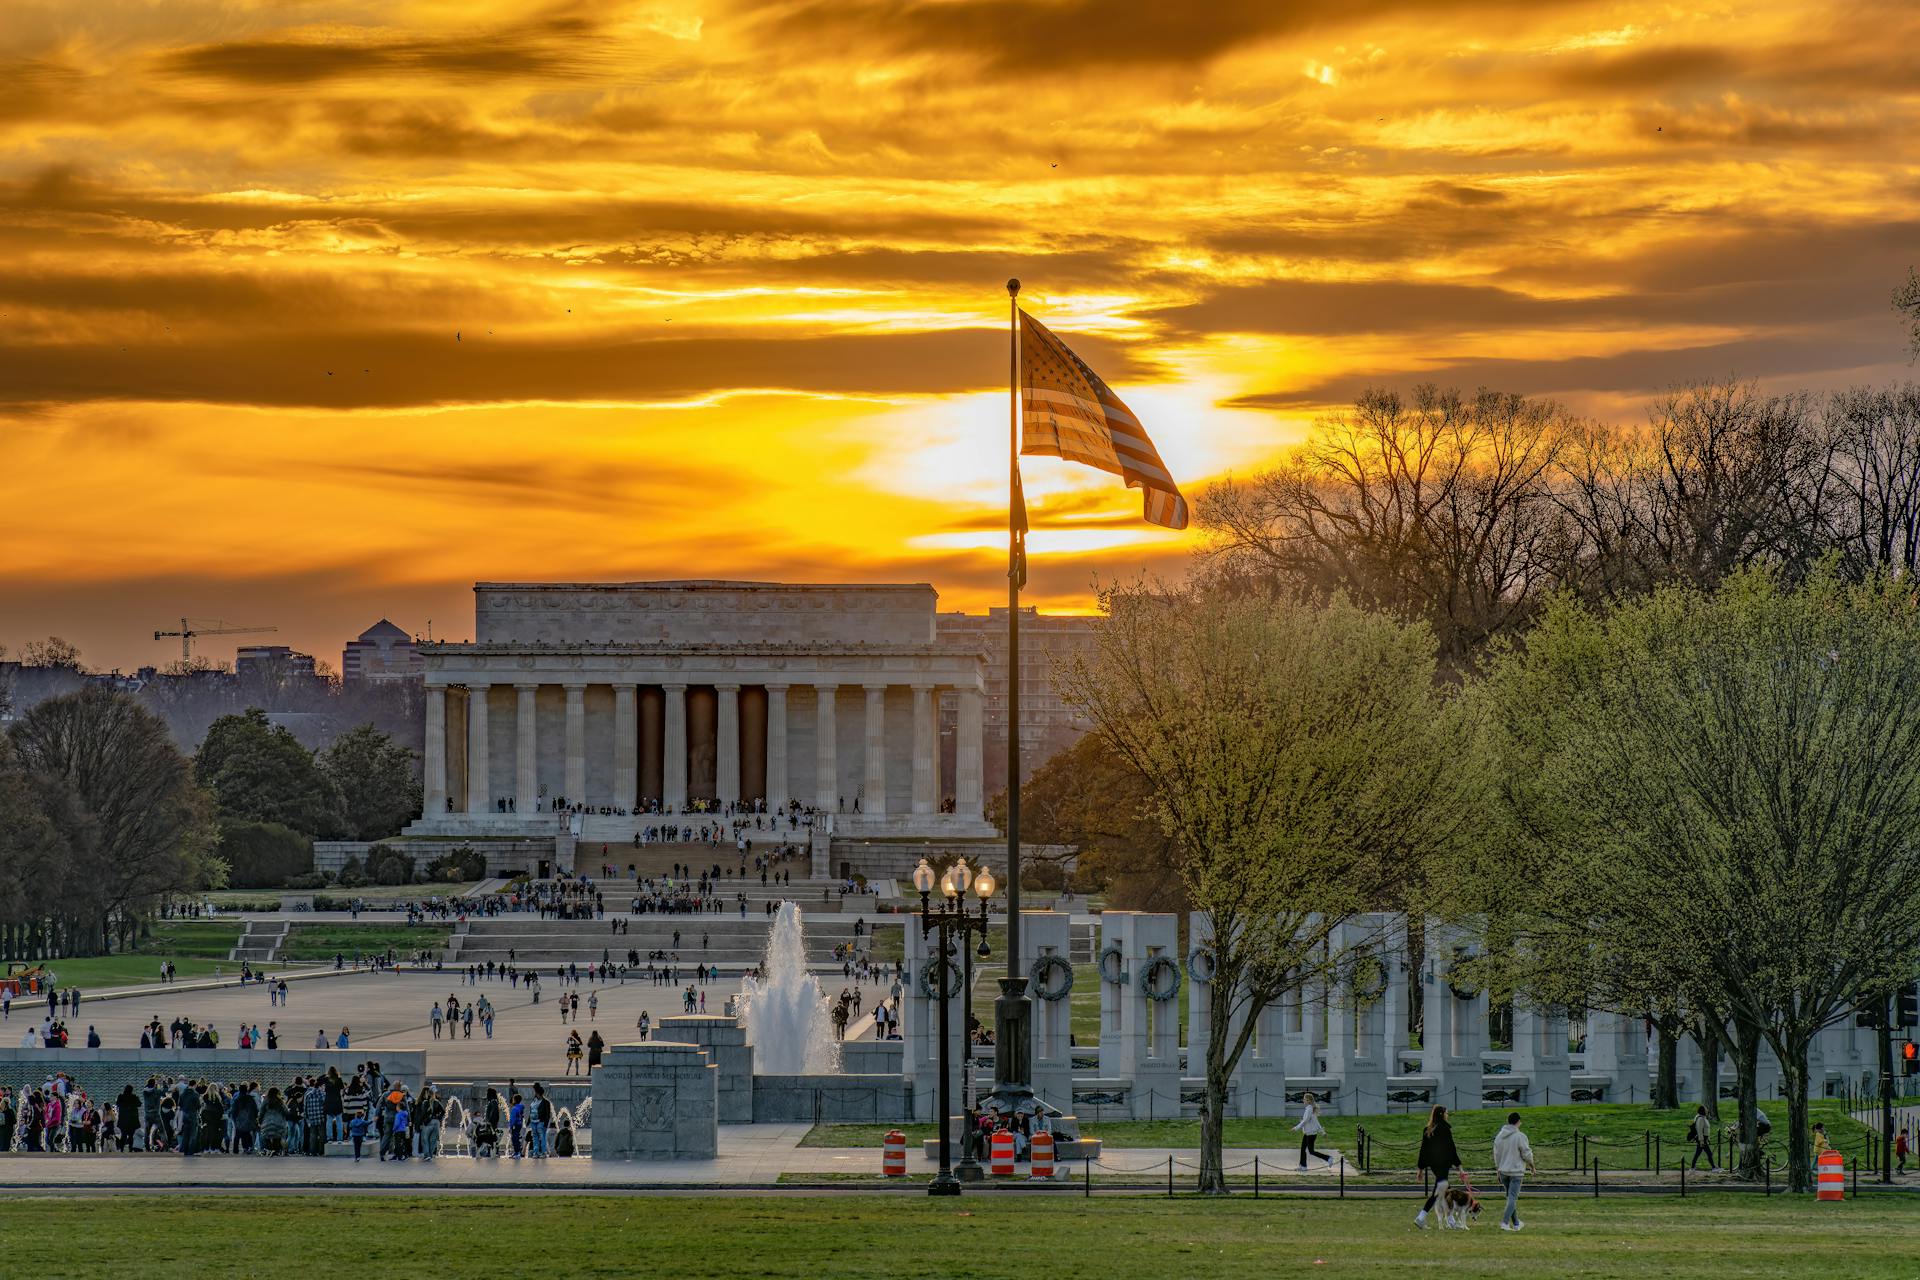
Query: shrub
x=353, y=875
x=311, y=880
x=463, y=863
x=387, y=865
x=263, y=855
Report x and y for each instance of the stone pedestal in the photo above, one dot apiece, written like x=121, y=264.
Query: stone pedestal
x=1617, y=1050
x=1540, y=1054
x=725, y=1043
x=1140, y=1036
x=1043, y=934
x=1455, y=1024
x=1357, y=1015
x=920, y=1026
x=656, y=1101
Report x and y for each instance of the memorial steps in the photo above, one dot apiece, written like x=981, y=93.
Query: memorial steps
x=733, y=943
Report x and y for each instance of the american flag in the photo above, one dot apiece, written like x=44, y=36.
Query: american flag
x=1068, y=412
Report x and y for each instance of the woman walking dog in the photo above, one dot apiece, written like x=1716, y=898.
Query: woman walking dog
x=1438, y=1157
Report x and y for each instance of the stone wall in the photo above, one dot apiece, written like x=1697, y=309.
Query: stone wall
x=502, y=855
x=102, y=1072
x=656, y=1101
x=831, y=1099
x=725, y=1043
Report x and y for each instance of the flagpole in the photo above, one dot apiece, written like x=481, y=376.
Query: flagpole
x=1013, y=1011
x=1014, y=571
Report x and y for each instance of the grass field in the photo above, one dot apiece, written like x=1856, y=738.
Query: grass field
x=384, y=894
x=321, y=942
x=1616, y=1134
x=981, y=1235
x=199, y=948
x=196, y=946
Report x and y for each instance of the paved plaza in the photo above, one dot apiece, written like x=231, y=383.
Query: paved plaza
x=391, y=1011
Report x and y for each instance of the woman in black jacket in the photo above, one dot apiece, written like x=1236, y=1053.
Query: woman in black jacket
x=1438, y=1157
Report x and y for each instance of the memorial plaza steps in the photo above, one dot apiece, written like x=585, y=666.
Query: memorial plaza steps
x=260, y=941
x=732, y=943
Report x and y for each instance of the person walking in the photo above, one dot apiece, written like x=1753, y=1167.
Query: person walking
x=1701, y=1131
x=1438, y=1157
x=1512, y=1161
x=1900, y=1150
x=1310, y=1130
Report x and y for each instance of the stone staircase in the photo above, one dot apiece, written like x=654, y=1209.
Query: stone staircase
x=732, y=943
x=260, y=941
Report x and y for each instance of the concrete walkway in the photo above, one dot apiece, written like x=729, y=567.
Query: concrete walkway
x=750, y=1155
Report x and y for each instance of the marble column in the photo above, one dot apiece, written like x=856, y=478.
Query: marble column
x=673, y=752
x=726, y=745
x=967, y=800
x=527, y=771
x=778, y=792
x=576, y=789
x=925, y=749
x=434, y=761
x=874, y=794
x=826, y=790
x=626, y=748
x=479, y=763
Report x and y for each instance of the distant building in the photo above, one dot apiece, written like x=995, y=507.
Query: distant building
x=273, y=660
x=382, y=652
x=1047, y=724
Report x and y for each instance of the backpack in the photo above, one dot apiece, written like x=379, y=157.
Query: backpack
x=563, y=1144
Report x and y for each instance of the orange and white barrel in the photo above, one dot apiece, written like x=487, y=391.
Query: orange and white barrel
x=893, y=1160
x=1002, y=1155
x=1040, y=1159
x=1833, y=1176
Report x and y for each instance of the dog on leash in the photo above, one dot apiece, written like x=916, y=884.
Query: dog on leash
x=1460, y=1208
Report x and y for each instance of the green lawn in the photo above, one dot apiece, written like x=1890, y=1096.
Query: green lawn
x=903, y=1235
x=195, y=946
x=321, y=942
x=229, y=899
x=1616, y=1134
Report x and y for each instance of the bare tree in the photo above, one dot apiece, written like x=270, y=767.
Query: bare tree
x=1434, y=508
x=1876, y=477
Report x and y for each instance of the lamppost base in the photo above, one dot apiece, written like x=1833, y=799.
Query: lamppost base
x=969, y=1170
x=944, y=1184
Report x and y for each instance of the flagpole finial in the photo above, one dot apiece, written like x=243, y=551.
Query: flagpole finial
x=1013, y=288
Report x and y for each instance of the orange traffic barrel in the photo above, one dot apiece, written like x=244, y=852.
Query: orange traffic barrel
x=1833, y=1176
x=893, y=1163
x=1041, y=1157
x=1002, y=1154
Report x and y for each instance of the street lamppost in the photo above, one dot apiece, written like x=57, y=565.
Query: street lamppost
x=953, y=916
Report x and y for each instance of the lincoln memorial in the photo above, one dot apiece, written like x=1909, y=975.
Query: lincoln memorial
x=597, y=709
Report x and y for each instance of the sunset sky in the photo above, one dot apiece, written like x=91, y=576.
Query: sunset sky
x=727, y=277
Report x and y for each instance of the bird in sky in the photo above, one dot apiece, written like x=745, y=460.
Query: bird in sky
x=456, y=335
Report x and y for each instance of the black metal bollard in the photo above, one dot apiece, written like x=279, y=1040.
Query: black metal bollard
x=1656, y=1153
x=1343, y=1178
x=1683, y=1179
x=1256, y=1177
x=1596, y=1178
x=1169, y=1177
x=1767, y=1190
x=1087, y=1166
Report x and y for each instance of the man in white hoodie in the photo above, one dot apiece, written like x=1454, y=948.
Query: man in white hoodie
x=1512, y=1160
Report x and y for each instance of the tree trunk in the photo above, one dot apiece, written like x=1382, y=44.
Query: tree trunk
x=1666, y=1084
x=1746, y=1065
x=1221, y=1055
x=1709, y=1042
x=1793, y=1065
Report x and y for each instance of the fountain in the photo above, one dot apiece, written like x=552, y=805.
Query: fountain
x=785, y=1011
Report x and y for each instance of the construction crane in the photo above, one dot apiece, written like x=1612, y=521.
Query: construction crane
x=189, y=629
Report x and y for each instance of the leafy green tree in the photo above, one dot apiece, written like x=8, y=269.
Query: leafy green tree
x=259, y=771
x=374, y=777
x=1298, y=756
x=1730, y=780
x=263, y=855
x=1089, y=800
